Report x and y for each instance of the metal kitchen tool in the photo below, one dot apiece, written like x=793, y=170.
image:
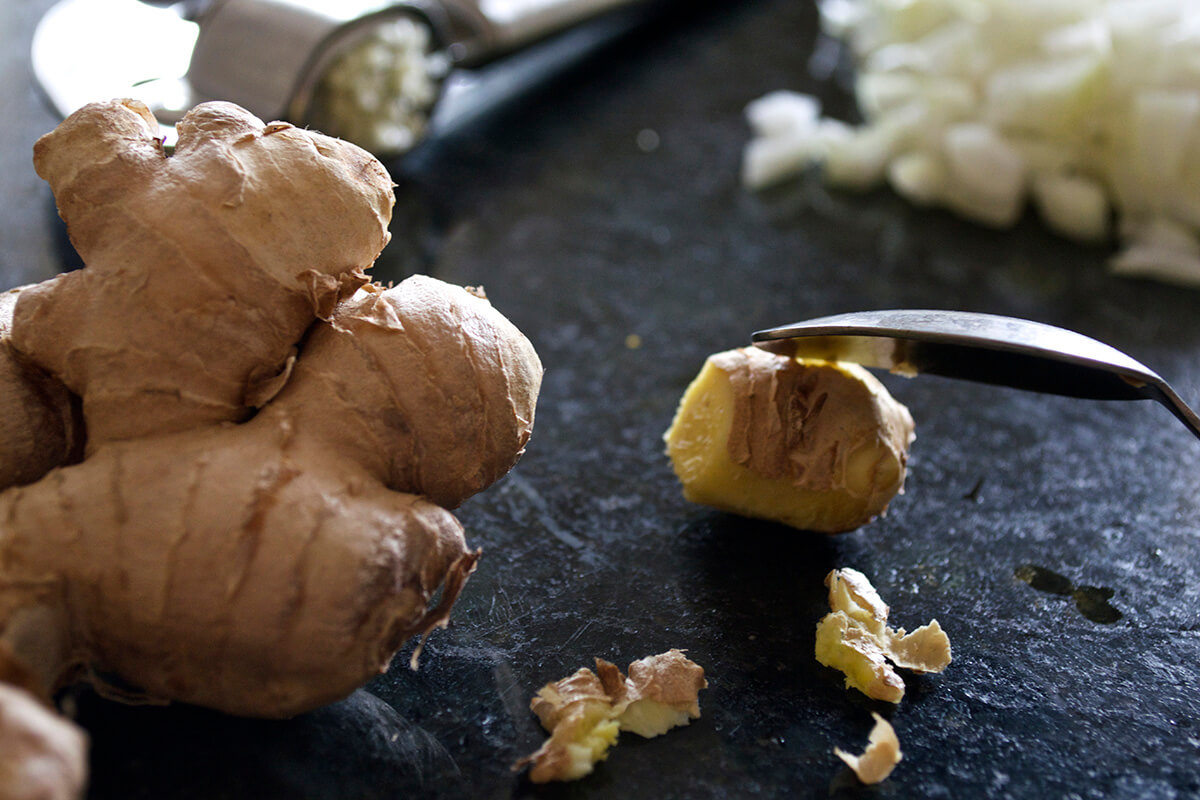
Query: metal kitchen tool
x=980, y=347
x=365, y=70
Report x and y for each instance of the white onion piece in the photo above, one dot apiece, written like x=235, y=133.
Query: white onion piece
x=987, y=175
x=1073, y=205
x=1087, y=110
x=1161, y=250
x=780, y=113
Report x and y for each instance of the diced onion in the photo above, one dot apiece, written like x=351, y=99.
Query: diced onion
x=1086, y=110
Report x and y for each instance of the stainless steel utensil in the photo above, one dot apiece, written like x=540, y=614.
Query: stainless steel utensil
x=980, y=347
x=271, y=56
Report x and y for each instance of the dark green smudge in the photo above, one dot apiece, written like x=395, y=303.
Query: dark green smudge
x=1092, y=601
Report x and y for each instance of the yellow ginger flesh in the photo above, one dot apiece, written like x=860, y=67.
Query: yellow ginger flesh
x=815, y=445
x=578, y=713
x=854, y=637
x=584, y=712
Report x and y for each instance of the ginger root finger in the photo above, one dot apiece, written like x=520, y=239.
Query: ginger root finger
x=39, y=418
x=156, y=333
x=401, y=349
x=816, y=445
x=255, y=578
x=42, y=755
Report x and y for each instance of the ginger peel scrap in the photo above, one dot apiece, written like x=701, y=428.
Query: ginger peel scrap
x=880, y=757
x=578, y=713
x=584, y=712
x=854, y=637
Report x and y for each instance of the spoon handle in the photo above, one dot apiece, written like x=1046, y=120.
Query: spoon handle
x=1163, y=393
x=985, y=348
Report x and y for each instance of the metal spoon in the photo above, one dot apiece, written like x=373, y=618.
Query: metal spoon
x=986, y=348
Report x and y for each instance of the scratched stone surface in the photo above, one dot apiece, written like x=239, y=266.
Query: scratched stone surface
x=1057, y=541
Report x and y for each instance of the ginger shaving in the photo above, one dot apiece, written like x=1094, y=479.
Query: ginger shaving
x=856, y=639
x=881, y=756
x=586, y=711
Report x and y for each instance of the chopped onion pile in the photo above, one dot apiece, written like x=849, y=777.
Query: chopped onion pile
x=1089, y=109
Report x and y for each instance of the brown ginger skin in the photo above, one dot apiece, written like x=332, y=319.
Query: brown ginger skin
x=154, y=350
x=244, y=546
x=44, y=757
x=467, y=437
x=40, y=424
x=257, y=562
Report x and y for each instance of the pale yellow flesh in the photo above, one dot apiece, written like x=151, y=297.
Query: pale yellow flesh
x=858, y=657
x=591, y=736
x=650, y=718
x=854, y=637
x=586, y=711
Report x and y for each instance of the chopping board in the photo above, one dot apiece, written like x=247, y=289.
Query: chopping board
x=1057, y=541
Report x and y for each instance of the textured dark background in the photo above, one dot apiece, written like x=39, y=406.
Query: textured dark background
x=584, y=238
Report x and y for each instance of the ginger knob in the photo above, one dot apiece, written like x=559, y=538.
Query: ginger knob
x=816, y=445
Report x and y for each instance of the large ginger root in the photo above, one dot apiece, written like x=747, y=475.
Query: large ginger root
x=299, y=509
x=815, y=445
x=256, y=562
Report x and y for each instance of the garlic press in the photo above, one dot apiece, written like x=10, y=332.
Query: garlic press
x=364, y=70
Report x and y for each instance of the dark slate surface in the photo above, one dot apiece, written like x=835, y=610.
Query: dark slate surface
x=1057, y=541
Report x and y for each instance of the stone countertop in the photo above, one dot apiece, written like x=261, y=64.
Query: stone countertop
x=1057, y=541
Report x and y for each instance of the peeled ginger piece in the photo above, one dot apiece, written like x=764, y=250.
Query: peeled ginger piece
x=585, y=712
x=854, y=638
x=813, y=444
x=578, y=714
